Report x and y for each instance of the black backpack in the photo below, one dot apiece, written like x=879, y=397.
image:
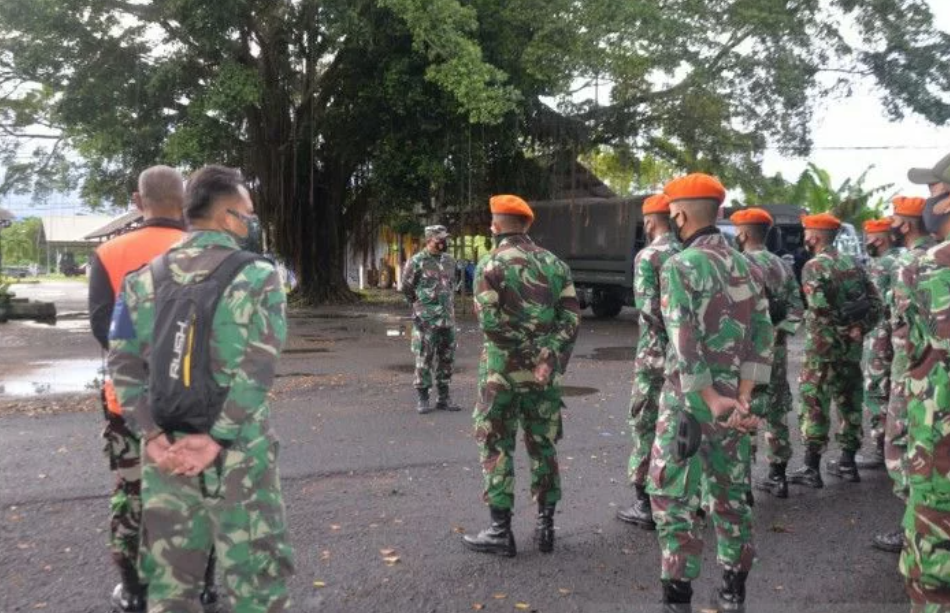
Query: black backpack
x=183, y=395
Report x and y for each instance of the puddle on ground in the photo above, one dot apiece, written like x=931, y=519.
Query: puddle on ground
x=54, y=377
x=612, y=354
x=571, y=391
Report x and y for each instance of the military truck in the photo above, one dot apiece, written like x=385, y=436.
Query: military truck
x=598, y=238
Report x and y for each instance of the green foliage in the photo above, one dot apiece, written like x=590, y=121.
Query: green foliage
x=627, y=175
x=20, y=242
x=851, y=201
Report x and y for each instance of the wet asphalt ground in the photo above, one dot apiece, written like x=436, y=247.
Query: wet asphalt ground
x=363, y=474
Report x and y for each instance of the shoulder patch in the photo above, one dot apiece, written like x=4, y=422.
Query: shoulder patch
x=121, y=328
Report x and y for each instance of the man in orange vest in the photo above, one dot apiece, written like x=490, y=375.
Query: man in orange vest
x=160, y=195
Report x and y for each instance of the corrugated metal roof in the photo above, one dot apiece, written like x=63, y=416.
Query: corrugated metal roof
x=119, y=223
x=71, y=228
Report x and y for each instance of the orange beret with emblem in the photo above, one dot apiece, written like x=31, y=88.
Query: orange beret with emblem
x=751, y=216
x=695, y=186
x=909, y=207
x=657, y=203
x=506, y=204
x=821, y=221
x=874, y=226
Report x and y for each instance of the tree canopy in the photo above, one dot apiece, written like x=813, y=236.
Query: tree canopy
x=346, y=113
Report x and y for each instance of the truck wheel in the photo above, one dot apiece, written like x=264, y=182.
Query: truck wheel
x=606, y=307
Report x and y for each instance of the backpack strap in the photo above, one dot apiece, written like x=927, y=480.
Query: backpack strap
x=161, y=275
x=230, y=266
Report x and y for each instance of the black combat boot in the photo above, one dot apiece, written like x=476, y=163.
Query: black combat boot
x=874, y=458
x=127, y=599
x=209, y=595
x=775, y=483
x=640, y=513
x=544, y=532
x=444, y=402
x=423, y=406
x=891, y=542
x=844, y=467
x=732, y=592
x=497, y=538
x=677, y=596
x=810, y=473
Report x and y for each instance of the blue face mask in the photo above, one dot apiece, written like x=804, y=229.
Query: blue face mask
x=934, y=221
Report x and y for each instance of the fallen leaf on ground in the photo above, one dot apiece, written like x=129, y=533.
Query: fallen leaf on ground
x=319, y=584
x=478, y=606
x=458, y=529
x=564, y=591
x=522, y=606
x=325, y=554
x=499, y=596
x=391, y=560
x=334, y=526
x=387, y=552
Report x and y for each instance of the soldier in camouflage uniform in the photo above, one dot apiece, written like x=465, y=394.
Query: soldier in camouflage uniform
x=878, y=352
x=428, y=282
x=651, y=353
x=774, y=401
x=222, y=488
x=925, y=561
x=528, y=311
x=843, y=306
x=720, y=338
x=907, y=230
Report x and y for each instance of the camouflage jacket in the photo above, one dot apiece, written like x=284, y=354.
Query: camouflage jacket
x=899, y=302
x=717, y=319
x=827, y=280
x=428, y=282
x=528, y=311
x=928, y=378
x=247, y=335
x=651, y=346
x=881, y=271
x=780, y=280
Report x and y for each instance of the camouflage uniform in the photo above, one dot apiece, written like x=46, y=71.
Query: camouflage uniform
x=235, y=505
x=832, y=364
x=428, y=282
x=895, y=432
x=925, y=561
x=529, y=314
x=719, y=331
x=651, y=353
x=123, y=449
x=878, y=352
x=774, y=401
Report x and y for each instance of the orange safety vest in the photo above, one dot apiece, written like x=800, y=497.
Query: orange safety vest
x=124, y=254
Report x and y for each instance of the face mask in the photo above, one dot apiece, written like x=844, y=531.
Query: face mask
x=252, y=241
x=873, y=250
x=811, y=246
x=442, y=246
x=677, y=228
x=897, y=237
x=740, y=244
x=934, y=221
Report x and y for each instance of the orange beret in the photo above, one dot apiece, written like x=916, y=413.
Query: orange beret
x=507, y=204
x=909, y=207
x=873, y=226
x=821, y=221
x=751, y=216
x=657, y=203
x=695, y=186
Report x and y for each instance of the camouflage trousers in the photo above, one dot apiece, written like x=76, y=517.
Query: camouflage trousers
x=925, y=561
x=773, y=402
x=235, y=506
x=496, y=427
x=825, y=379
x=878, y=355
x=644, y=408
x=895, y=426
x=715, y=478
x=434, y=348
x=122, y=449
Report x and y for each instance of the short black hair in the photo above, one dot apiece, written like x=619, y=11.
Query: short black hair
x=758, y=231
x=206, y=185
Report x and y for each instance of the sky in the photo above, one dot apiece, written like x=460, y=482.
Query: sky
x=859, y=121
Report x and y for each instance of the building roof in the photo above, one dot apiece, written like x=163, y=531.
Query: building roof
x=116, y=225
x=71, y=228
